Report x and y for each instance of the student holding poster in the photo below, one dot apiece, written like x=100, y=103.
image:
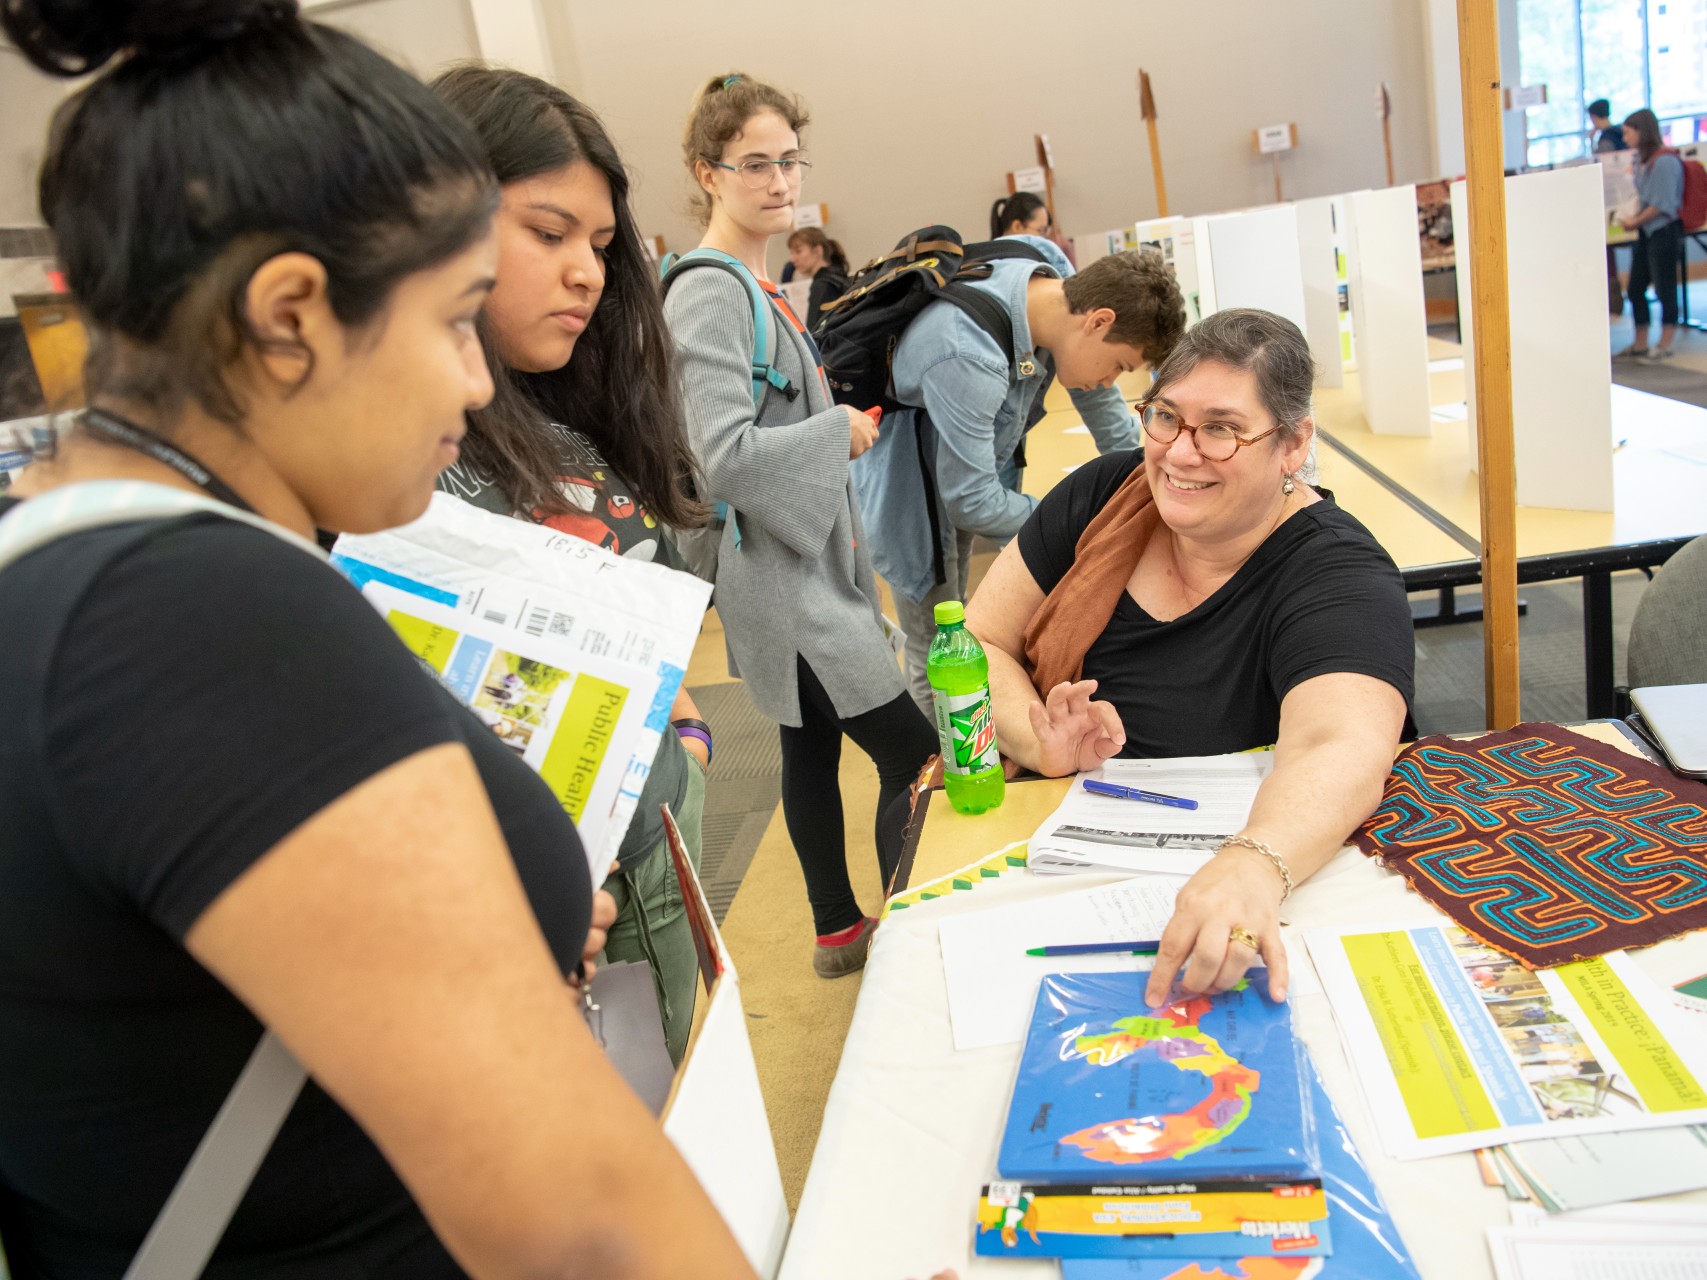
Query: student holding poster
x=584, y=435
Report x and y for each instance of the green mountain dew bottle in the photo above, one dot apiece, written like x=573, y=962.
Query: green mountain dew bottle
x=965, y=722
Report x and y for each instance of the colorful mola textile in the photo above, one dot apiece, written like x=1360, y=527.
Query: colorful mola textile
x=1545, y=844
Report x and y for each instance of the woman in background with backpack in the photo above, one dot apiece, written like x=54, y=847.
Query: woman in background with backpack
x=795, y=588
x=818, y=258
x=1659, y=233
x=584, y=434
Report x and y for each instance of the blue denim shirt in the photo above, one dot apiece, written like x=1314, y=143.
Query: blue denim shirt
x=1659, y=186
x=978, y=406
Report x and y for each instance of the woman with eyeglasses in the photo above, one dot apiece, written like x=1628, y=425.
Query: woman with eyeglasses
x=1198, y=597
x=795, y=589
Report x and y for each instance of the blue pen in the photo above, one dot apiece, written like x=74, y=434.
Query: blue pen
x=1133, y=793
x=1142, y=947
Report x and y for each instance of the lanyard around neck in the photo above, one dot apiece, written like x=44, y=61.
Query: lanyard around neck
x=121, y=431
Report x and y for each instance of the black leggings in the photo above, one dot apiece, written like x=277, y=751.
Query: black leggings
x=898, y=739
x=1654, y=259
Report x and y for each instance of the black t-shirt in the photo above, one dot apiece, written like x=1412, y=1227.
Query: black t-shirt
x=1318, y=596
x=166, y=724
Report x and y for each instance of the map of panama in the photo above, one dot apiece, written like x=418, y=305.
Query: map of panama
x=1174, y=1036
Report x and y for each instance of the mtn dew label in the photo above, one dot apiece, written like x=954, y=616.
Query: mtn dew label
x=966, y=727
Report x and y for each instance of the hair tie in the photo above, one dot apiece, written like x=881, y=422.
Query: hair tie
x=731, y=80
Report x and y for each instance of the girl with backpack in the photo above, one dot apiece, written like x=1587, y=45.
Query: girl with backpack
x=584, y=434
x=795, y=588
x=238, y=813
x=1659, y=233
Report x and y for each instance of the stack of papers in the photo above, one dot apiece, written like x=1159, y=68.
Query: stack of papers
x=1098, y=833
x=1622, y=1242
x=1597, y=1169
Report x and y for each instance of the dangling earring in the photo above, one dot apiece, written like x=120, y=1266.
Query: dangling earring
x=1286, y=485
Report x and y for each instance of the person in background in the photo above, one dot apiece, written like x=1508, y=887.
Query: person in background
x=795, y=588
x=816, y=257
x=584, y=434
x=1659, y=234
x=1213, y=601
x=1021, y=214
x=234, y=800
x=1606, y=136
x=1604, y=139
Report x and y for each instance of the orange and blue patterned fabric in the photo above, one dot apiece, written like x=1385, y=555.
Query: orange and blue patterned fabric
x=1547, y=845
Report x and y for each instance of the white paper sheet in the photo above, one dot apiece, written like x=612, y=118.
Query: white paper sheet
x=1099, y=833
x=1457, y=1046
x=1599, y=1252
x=992, y=983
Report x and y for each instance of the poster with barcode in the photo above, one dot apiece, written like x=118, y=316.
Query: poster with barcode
x=531, y=584
x=574, y=717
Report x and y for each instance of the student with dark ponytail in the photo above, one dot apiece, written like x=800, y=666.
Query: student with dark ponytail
x=1021, y=214
x=584, y=434
x=818, y=258
x=230, y=799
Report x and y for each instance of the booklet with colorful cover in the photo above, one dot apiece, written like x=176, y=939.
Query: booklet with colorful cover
x=1110, y=1090
x=1366, y=1243
x=1255, y=1216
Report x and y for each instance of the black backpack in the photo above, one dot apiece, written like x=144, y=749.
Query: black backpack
x=859, y=332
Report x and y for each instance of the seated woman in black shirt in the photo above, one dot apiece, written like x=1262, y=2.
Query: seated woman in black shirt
x=1215, y=602
x=229, y=797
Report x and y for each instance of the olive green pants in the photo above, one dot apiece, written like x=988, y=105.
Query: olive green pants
x=652, y=921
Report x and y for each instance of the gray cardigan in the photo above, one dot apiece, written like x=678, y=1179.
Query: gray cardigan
x=801, y=581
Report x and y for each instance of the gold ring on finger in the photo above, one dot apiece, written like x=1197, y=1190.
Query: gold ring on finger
x=1238, y=933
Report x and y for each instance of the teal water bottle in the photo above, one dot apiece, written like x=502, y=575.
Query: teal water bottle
x=965, y=721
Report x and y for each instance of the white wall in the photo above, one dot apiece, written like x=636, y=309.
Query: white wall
x=904, y=136
x=27, y=102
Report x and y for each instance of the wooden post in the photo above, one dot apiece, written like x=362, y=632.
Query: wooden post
x=1047, y=161
x=1278, y=198
x=1387, y=130
x=1490, y=318
x=1147, y=107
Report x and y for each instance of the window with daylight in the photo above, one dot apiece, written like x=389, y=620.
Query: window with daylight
x=1634, y=53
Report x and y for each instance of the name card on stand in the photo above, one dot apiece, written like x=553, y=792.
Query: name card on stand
x=1276, y=137
x=1526, y=98
x=810, y=215
x=1561, y=381
x=1032, y=179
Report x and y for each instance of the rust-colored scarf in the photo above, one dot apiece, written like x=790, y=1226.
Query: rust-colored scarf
x=1077, y=611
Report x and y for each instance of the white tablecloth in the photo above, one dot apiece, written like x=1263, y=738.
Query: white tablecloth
x=911, y=1127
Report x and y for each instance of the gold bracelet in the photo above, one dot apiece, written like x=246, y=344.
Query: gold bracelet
x=1248, y=842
